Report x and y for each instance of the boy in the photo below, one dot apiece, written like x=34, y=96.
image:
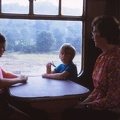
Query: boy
x=67, y=69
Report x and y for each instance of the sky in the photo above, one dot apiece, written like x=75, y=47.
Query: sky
x=68, y=3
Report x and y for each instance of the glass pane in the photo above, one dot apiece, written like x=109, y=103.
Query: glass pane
x=46, y=7
x=72, y=7
x=33, y=43
x=15, y=6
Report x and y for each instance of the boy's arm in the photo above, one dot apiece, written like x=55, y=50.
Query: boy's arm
x=58, y=76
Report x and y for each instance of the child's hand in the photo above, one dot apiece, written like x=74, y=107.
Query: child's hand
x=44, y=75
x=50, y=63
x=48, y=67
x=23, y=78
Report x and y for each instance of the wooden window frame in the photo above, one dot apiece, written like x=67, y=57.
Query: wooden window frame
x=31, y=14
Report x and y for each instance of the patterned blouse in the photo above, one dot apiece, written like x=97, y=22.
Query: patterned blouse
x=106, y=79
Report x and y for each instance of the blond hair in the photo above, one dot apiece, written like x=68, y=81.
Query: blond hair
x=67, y=47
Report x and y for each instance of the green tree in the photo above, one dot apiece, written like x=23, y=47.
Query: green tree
x=45, y=42
x=59, y=36
x=12, y=37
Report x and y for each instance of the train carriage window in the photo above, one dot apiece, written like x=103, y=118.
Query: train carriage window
x=15, y=6
x=34, y=39
x=46, y=7
x=72, y=7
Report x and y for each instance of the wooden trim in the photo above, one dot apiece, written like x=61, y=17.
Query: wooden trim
x=41, y=17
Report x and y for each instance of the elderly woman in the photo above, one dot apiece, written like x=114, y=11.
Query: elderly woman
x=104, y=100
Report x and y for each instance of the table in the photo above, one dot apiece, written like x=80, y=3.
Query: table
x=54, y=96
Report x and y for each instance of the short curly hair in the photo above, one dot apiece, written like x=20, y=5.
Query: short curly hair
x=109, y=27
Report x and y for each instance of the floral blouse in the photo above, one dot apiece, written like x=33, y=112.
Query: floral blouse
x=106, y=79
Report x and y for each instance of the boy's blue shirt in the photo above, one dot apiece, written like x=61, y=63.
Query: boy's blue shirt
x=71, y=68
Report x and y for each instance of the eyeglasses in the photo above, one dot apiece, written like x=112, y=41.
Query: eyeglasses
x=93, y=32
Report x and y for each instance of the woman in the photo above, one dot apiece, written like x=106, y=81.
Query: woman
x=104, y=100
x=8, y=112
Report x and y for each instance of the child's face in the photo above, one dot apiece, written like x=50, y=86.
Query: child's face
x=66, y=57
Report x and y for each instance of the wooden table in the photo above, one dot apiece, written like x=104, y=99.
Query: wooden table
x=54, y=96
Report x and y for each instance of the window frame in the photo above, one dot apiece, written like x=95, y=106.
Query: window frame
x=32, y=16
